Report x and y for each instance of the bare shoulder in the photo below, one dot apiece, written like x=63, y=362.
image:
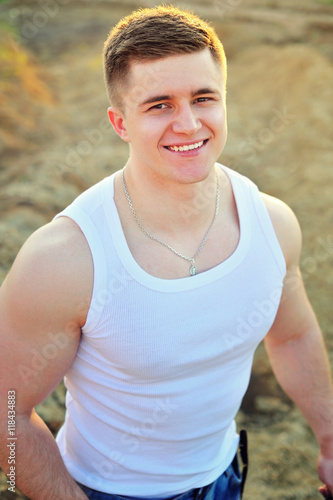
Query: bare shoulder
x=54, y=264
x=286, y=227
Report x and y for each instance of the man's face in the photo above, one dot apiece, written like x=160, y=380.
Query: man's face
x=174, y=116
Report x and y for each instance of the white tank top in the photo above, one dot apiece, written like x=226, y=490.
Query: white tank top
x=163, y=365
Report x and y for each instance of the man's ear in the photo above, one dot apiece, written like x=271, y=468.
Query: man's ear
x=117, y=120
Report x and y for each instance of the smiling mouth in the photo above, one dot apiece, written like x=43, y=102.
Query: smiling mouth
x=187, y=147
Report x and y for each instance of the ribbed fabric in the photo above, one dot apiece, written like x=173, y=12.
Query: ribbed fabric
x=163, y=365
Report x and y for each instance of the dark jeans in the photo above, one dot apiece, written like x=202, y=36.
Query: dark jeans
x=226, y=487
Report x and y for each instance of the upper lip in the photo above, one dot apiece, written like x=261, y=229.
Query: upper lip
x=180, y=144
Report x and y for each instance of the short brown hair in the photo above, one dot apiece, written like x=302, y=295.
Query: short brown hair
x=155, y=33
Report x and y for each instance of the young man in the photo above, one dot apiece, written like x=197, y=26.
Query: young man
x=147, y=289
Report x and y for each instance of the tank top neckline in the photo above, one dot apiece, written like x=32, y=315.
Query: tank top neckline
x=186, y=283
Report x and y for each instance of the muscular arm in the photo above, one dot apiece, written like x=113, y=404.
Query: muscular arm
x=41, y=314
x=295, y=345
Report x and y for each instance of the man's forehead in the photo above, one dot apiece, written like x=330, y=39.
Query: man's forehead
x=161, y=65
x=148, y=74
x=147, y=79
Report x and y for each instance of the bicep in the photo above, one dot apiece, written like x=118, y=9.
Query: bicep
x=39, y=327
x=33, y=358
x=295, y=316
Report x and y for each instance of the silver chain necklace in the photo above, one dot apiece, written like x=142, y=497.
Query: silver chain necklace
x=193, y=270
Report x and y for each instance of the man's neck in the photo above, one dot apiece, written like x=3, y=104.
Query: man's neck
x=169, y=207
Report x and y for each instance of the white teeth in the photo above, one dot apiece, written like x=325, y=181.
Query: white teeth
x=187, y=147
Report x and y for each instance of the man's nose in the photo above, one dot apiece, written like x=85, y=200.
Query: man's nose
x=186, y=121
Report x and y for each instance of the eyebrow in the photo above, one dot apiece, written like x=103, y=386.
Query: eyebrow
x=158, y=98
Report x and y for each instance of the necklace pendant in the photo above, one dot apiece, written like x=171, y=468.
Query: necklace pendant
x=193, y=270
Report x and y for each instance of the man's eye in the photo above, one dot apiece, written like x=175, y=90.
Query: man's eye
x=162, y=105
x=204, y=99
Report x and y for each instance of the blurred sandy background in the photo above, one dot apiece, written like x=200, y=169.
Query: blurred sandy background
x=55, y=142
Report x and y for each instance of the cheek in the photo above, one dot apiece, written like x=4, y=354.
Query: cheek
x=218, y=124
x=218, y=127
x=219, y=116
x=214, y=117
x=154, y=131
x=144, y=138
